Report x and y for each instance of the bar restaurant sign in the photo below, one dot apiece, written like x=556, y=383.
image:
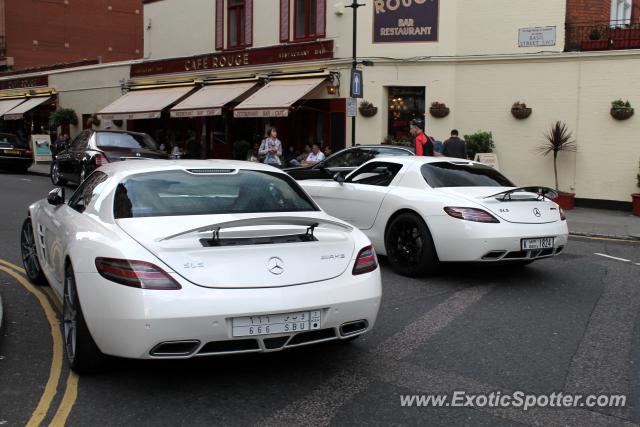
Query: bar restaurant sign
x=396, y=21
x=238, y=59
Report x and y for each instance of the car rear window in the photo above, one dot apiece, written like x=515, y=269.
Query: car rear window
x=11, y=141
x=175, y=193
x=449, y=174
x=125, y=140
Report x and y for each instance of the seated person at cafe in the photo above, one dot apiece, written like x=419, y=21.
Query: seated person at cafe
x=315, y=156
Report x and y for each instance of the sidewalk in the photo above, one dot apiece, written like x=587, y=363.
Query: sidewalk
x=41, y=169
x=603, y=223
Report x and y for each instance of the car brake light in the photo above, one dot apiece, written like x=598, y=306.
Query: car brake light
x=366, y=261
x=563, y=216
x=137, y=274
x=27, y=153
x=100, y=159
x=471, y=214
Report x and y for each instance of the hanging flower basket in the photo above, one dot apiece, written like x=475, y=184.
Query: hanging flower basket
x=367, y=109
x=621, y=110
x=439, y=110
x=118, y=123
x=520, y=111
x=94, y=120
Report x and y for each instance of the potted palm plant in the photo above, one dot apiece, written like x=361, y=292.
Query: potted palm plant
x=558, y=139
x=636, y=197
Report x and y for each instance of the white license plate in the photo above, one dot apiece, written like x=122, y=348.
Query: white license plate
x=267, y=324
x=542, y=243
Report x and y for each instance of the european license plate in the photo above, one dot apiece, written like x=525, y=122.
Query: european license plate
x=11, y=151
x=267, y=324
x=541, y=243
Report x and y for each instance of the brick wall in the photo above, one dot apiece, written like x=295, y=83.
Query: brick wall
x=586, y=11
x=49, y=32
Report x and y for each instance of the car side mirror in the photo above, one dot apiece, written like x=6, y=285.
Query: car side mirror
x=339, y=178
x=56, y=196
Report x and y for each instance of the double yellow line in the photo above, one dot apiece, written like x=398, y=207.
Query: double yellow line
x=50, y=390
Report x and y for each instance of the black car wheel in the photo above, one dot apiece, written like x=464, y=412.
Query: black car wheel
x=30, y=254
x=81, y=350
x=56, y=176
x=410, y=248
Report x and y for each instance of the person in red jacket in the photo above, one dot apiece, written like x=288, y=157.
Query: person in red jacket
x=423, y=144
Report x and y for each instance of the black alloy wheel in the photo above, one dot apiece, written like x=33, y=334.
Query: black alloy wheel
x=410, y=248
x=83, y=354
x=29, y=253
x=56, y=176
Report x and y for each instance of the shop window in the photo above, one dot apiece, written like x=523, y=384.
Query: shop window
x=405, y=104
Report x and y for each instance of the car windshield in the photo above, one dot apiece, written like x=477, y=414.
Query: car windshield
x=175, y=193
x=8, y=140
x=448, y=174
x=125, y=140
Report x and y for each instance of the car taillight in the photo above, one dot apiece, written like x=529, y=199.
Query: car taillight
x=563, y=216
x=471, y=214
x=100, y=159
x=366, y=261
x=137, y=274
x=27, y=153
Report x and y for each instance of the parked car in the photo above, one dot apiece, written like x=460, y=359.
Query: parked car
x=421, y=211
x=15, y=155
x=94, y=148
x=345, y=161
x=190, y=258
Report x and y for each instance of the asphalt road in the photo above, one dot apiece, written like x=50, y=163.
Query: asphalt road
x=564, y=325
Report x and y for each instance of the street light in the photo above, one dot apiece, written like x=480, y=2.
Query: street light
x=354, y=62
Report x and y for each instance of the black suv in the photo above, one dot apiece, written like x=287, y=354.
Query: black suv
x=345, y=161
x=94, y=148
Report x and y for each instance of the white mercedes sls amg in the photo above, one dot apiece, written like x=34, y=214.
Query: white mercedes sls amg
x=176, y=259
x=421, y=211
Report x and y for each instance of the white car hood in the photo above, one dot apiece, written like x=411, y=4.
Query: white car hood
x=244, y=266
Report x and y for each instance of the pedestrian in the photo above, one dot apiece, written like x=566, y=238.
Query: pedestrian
x=177, y=152
x=271, y=148
x=305, y=153
x=253, y=155
x=423, y=145
x=455, y=147
x=290, y=157
x=327, y=151
x=59, y=145
x=316, y=156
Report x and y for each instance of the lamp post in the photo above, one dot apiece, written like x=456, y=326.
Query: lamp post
x=354, y=62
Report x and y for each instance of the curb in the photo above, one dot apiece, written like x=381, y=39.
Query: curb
x=39, y=173
x=1, y=321
x=605, y=236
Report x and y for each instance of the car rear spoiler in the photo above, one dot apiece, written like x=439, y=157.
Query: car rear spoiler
x=542, y=192
x=311, y=223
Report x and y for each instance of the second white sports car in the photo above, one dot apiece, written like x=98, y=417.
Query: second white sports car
x=159, y=259
x=420, y=211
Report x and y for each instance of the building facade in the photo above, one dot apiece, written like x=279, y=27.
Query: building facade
x=38, y=33
x=226, y=63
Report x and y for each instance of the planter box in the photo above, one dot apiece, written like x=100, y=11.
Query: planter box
x=439, y=113
x=594, y=44
x=636, y=203
x=622, y=113
x=521, y=113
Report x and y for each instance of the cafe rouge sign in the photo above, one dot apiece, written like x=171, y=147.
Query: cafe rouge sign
x=243, y=58
x=397, y=21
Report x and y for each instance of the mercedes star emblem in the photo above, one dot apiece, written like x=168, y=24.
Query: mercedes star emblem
x=275, y=265
x=536, y=212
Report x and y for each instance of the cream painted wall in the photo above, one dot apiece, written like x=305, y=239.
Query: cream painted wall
x=577, y=89
x=178, y=28
x=88, y=91
x=466, y=27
